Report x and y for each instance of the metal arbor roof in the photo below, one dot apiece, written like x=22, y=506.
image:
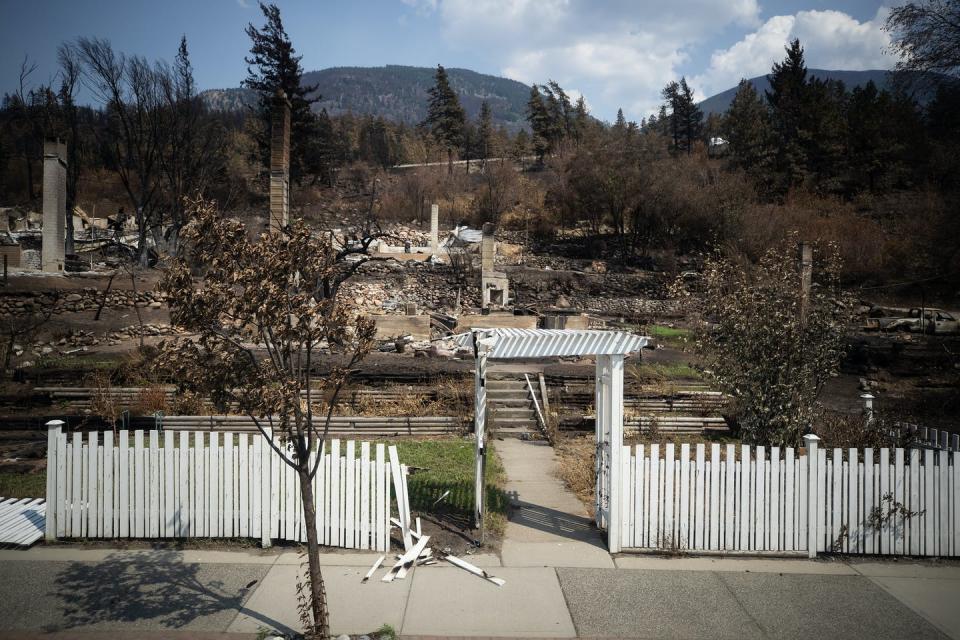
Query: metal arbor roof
x=541, y=343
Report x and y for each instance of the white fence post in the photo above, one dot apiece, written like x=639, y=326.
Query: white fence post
x=54, y=428
x=266, y=454
x=813, y=508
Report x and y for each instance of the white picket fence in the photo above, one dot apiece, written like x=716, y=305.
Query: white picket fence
x=212, y=485
x=850, y=501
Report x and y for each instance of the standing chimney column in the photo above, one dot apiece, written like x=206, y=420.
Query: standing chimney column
x=280, y=163
x=434, y=228
x=487, y=248
x=54, y=205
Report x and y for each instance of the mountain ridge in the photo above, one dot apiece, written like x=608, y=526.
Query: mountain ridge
x=397, y=93
x=884, y=79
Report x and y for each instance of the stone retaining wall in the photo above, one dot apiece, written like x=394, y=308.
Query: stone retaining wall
x=76, y=300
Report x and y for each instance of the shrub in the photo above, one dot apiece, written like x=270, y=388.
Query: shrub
x=759, y=345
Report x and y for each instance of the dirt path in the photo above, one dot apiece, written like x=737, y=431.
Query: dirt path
x=548, y=525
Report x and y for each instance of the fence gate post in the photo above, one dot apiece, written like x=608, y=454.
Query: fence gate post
x=813, y=509
x=53, y=437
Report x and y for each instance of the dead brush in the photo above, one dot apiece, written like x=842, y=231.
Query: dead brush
x=189, y=403
x=406, y=405
x=577, y=467
x=151, y=399
x=103, y=400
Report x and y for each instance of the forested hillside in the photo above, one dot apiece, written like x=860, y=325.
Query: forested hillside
x=397, y=93
x=884, y=81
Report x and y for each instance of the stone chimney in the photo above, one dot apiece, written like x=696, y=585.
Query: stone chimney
x=280, y=163
x=487, y=248
x=434, y=228
x=494, y=285
x=54, y=205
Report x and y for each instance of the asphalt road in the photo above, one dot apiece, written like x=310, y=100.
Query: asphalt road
x=706, y=604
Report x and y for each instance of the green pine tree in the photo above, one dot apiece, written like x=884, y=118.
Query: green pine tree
x=685, y=122
x=580, y=120
x=445, y=116
x=621, y=122
x=746, y=126
x=540, y=125
x=484, y=132
x=789, y=100
x=274, y=66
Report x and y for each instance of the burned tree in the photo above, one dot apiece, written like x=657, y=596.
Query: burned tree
x=262, y=312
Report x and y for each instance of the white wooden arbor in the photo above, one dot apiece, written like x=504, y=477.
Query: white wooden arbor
x=609, y=348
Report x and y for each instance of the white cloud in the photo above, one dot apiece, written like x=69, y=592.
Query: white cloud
x=622, y=52
x=619, y=53
x=831, y=40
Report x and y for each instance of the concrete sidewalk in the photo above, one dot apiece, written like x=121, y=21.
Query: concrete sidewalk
x=203, y=593
x=548, y=525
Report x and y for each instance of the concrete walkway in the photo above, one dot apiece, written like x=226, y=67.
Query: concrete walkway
x=548, y=525
x=135, y=594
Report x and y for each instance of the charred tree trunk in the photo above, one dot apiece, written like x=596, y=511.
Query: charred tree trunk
x=318, y=592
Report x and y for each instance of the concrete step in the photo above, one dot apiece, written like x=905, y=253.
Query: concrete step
x=514, y=422
x=500, y=412
x=507, y=393
x=522, y=433
x=509, y=404
x=517, y=385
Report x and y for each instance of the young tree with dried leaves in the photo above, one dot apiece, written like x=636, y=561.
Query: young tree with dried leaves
x=757, y=344
x=261, y=312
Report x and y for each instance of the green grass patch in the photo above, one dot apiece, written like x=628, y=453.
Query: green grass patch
x=23, y=485
x=447, y=465
x=662, y=331
x=674, y=336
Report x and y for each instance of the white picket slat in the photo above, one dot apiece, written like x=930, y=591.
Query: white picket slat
x=639, y=495
x=730, y=493
x=913, y=542
x=228, y=485
x=714, y=508
x=350, y=519
x=92, y=514
x=365, y=496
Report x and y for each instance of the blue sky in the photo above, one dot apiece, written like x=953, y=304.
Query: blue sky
x=617, y=53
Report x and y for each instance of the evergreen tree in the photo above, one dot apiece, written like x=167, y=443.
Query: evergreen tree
x=825, y=123
x=621, y=122
x=663, y=121
x=580, y=120
x=272, y=67
x=670, y=95
x=686, y=119
x=788, y=98
x=484, y=132
x=561, y=112
x=539, y=118
x=376, y=145
x=445, y=116
x=652, y=125
x=690, y=116
x=944, y=127
x=521, y=147
x=747, y=128
x=327, y=151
